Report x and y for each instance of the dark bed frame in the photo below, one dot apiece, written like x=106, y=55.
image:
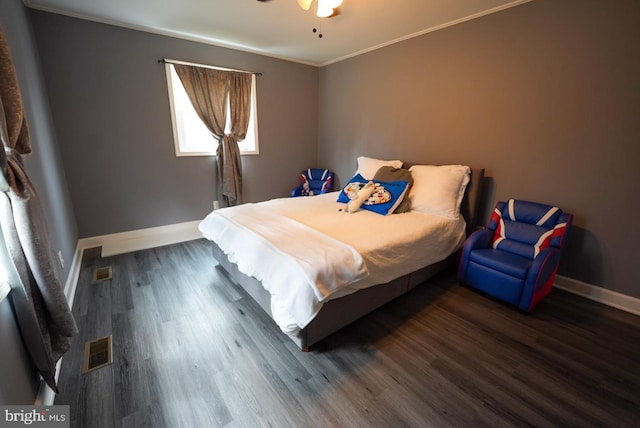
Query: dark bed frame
x=340, y=312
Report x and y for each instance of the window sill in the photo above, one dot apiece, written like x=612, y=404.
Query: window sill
x=187, y=154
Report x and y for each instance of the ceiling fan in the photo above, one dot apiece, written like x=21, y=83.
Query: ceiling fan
x=324, y=8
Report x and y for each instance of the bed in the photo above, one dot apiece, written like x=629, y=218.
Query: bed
x=313, y=268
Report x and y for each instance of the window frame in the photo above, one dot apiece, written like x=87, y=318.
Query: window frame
x=180, y=152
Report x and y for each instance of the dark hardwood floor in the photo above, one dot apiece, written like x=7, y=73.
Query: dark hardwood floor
x=192, y=350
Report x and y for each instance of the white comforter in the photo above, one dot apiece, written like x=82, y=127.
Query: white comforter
x=306, y=251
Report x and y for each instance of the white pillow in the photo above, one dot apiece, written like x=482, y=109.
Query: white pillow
x=438, y=189
x=367, y=167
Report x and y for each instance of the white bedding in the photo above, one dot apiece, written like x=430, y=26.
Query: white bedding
x=390, y=246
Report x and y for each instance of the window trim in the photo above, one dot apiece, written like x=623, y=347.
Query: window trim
x=174, y=124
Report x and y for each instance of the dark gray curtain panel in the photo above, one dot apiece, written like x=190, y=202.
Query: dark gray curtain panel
x=42, y=310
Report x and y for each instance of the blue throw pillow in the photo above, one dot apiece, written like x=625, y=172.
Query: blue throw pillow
x=385, y=199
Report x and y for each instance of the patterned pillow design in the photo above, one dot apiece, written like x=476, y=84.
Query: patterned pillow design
x=384, y=200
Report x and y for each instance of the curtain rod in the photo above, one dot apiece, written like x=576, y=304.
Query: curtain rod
x=174, y=61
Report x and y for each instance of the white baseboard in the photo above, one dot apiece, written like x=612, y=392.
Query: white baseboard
x=74, y=274
x=142, y=239
x=46, y=396
x=117, y=243
x=599, y=294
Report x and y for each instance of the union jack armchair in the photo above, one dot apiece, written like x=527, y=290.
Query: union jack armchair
x=515, y=259
x=314, y=181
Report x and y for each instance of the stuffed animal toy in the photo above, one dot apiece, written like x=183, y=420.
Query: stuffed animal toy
x=361, y=195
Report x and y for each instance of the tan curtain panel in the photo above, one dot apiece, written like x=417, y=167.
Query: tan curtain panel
x=41, y=308
x=240, y=103
x=208, y=90
x=228, y=153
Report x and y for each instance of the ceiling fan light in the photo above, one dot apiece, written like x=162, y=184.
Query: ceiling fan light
x=324, y=10
x=305, y=4
x=332, y=3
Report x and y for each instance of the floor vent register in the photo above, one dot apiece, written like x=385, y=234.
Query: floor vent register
x=102, y=274
x=98, y=353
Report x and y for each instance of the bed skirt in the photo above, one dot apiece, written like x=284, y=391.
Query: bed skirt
x=339, y=312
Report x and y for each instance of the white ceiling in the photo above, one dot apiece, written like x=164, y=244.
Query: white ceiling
x=280, y=28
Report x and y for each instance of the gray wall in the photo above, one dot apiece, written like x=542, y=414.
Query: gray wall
x=19, y=380
x=545, y=96
x=111, y=111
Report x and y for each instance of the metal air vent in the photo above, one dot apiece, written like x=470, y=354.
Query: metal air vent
x=102, y=274
x=97, y=353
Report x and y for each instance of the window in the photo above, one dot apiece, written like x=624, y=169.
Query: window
x=190, y=135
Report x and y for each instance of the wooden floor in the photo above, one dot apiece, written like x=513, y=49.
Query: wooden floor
x=191, y=350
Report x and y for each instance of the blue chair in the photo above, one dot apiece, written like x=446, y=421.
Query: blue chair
x=314, y=181
x=515, y=259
